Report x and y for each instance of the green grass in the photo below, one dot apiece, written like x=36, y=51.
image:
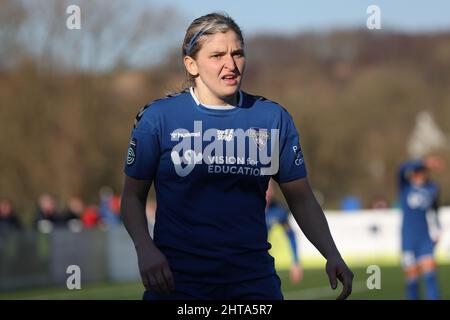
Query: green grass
x=315, y=285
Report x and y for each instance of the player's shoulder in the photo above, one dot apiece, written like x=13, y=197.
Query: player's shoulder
x=172, y=99
x=158, y=107
x=269, y=108
x=263, y=102
x=165, y=103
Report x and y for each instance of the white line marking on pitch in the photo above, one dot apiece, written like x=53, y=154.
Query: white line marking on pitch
x=322, y=292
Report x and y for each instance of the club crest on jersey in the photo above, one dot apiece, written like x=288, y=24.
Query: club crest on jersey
x=131, y=154
x=259, y=136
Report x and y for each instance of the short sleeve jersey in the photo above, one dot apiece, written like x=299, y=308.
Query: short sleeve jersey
x=211, y=169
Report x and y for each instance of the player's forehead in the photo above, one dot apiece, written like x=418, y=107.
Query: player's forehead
x=222, y=41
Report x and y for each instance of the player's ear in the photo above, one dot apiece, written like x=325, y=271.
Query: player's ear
x=190, y=65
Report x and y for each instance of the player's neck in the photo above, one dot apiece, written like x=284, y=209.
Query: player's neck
x=206, y=97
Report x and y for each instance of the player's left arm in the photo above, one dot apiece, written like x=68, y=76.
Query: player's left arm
x=311, y=219
x=435, y=218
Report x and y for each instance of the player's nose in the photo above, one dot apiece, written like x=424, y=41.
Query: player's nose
x=229, y=62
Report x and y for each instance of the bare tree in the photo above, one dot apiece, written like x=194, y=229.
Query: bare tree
x=112, y=32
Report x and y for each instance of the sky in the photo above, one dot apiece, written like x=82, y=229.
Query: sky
x=290, y=16
x=285, y=17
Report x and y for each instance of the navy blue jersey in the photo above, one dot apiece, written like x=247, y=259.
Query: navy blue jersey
x=415, y=202
x=211, y=170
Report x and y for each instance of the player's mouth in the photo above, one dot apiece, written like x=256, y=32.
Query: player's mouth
x=230, y=79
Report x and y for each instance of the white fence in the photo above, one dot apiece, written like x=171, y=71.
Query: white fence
x=33, y=259
x=367, y=236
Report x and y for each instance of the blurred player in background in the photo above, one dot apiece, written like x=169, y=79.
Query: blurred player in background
x=419, y=197
x=276, y=213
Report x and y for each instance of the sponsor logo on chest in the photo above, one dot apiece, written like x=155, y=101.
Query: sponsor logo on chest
x=254, y=151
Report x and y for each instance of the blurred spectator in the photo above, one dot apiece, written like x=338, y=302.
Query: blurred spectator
x=379, y=203
x=8, y=218
x=396, y=204
x=109, y=207
x=73, y=213
x=75, y=207
x=48, y=216
x=90, y=217
x=350, y=203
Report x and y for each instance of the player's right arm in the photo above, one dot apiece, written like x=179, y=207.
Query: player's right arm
x=153, y=266
x=141, y=165
x=405, y=169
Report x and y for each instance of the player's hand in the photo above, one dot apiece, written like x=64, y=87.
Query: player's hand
x=337, y=269
x=155, y=271
x=296, y=273
x=434, y=163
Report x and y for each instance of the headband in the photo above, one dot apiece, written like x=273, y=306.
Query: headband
x=194, y=39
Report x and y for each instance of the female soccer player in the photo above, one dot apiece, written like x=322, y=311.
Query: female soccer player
x=418, y=195
x=211, y=150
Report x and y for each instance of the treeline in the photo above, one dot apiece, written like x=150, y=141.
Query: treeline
x=354, y=96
